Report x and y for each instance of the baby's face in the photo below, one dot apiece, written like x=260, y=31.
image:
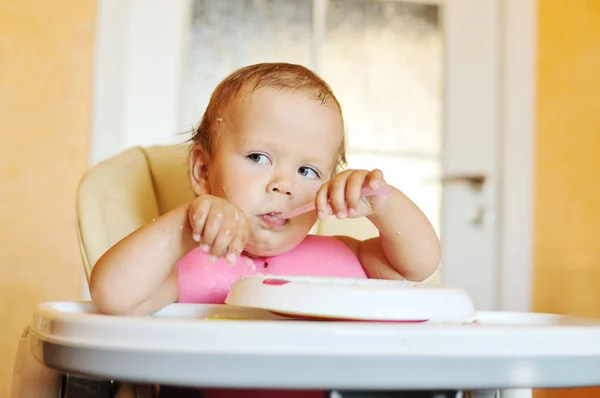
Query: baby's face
x=274, y=150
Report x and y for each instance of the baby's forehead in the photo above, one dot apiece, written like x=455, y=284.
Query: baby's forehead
x=250, y=90
x=271, y=114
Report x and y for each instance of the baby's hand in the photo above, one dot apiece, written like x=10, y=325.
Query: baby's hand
x=219, y=226
x=341, y=196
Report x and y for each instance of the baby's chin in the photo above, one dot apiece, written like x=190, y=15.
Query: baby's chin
x=270, y=247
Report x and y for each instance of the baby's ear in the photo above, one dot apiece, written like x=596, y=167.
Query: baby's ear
x=198, y=170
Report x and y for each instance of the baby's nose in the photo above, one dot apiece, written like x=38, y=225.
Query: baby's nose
x=282, y=191
x=281, y=186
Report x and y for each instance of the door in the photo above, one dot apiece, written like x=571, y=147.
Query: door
x=417, y=81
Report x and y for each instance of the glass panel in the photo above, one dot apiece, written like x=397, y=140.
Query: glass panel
x=384, y=61
x=228, y=34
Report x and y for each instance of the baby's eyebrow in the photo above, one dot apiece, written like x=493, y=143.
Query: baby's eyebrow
x=316, y=162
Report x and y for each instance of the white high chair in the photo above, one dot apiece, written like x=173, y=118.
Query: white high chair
x=73, y=352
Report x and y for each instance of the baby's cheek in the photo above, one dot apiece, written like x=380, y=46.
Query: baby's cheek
x=308, y=191
x=240, y=197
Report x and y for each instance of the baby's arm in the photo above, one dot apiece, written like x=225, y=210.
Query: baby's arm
x=138, y=274
x=407, y=242
x=407, y=245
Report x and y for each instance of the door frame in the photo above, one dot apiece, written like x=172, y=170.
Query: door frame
x=518, y=149
x=129, y=34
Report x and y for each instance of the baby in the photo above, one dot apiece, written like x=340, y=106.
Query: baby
x=271, y=139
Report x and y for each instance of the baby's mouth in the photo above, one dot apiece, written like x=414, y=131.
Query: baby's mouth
x=273, y=220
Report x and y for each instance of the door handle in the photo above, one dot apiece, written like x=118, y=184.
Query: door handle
x=476, y=181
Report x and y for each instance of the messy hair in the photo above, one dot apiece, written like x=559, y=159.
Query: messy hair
x=277, y=75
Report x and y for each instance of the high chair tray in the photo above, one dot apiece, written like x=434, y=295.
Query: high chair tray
x=226, y=346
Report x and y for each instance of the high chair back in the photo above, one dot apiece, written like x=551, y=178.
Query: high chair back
x=120, y=194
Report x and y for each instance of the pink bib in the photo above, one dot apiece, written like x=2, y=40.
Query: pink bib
x=203, y=282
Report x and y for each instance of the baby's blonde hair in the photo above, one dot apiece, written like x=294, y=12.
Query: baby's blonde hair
x=277, y=75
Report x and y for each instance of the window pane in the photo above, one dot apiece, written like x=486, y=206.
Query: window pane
x=228, y=34
x=384, y=62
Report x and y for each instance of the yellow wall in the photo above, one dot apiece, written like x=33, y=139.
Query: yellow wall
x=567, y=204
x=46, y=50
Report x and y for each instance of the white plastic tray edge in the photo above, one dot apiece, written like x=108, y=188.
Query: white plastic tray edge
x=494, y=334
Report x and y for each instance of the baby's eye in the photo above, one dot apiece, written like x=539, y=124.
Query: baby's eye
x=258, y=158
x=308, y=172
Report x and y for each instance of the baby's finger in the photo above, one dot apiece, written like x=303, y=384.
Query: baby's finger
x=211, y=229
x=353, y=188
x=374, y=179
x=238, y=242
x=321, y=201
x=224, y=237
x=337, y=195
x=197, y=217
